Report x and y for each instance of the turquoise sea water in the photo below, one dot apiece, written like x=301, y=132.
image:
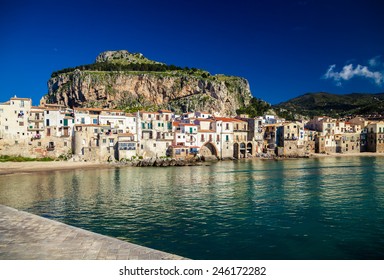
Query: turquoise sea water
x=328, y=208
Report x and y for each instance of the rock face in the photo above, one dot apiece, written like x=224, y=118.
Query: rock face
x=177, y=90
x=123, y=56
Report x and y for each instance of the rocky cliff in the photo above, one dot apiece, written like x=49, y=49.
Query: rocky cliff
x=179, y=90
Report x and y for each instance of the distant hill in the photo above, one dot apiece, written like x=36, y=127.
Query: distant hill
x=335, y=105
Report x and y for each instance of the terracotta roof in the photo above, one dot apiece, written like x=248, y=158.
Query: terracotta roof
x=225, y=119
x=165, y=111
x=125, y=134
x=18, y=98
x=88, y=109
x=187, y=124
x=205, y=130
x=144, y=112
x=175, y=123
x=204, y=120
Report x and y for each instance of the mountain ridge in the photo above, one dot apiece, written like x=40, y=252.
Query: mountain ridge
x=336, y=105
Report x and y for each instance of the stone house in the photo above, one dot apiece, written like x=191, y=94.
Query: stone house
x=290, y=139
x=347, y=143
x=270, y=138
x=224, y=136
x=93, y=142
x=375, y=137
x=127, y=146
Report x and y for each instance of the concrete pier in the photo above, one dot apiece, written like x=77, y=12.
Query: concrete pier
x=24, y=236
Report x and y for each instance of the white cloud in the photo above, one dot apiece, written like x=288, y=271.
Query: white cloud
x=375, y=61
x=348, y=72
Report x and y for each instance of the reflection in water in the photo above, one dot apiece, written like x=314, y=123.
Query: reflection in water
x=329, y=208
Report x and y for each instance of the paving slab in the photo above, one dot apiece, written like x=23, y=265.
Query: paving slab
x=25, y=236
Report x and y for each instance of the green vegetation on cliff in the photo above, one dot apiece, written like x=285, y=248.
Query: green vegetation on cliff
x=138, y=67
x=256, y=107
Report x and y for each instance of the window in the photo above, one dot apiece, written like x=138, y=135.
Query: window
x=94, y=121
x=217, y=138
x=6, y=127
x=39, y=144
x=227, y=126
x=65, y=144
x=82, y=120
x=227, y=138
x=104, y=141
x=154, y=145
x=21, y=123
x=202, y=137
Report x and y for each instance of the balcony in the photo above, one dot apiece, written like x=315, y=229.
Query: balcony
x=35, y=119
x=35, y=128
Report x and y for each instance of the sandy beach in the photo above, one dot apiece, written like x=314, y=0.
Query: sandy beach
x=41, y=166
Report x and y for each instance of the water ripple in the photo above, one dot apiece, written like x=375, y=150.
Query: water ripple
x=299, y=209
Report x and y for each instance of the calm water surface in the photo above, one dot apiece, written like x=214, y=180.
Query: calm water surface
x=329, y=208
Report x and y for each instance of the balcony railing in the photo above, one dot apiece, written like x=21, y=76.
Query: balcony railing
x=35, y=128
x=35, y=120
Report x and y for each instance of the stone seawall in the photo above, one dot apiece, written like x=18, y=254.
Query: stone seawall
x=24, y=236
x=165, y=162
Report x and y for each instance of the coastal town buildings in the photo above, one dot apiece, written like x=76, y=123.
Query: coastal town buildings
x=94, y=134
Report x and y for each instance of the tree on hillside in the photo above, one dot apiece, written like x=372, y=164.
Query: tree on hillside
x=256, y=107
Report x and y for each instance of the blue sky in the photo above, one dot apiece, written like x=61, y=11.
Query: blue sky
x=283, y=48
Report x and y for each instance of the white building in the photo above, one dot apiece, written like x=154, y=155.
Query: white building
x=14, y=120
